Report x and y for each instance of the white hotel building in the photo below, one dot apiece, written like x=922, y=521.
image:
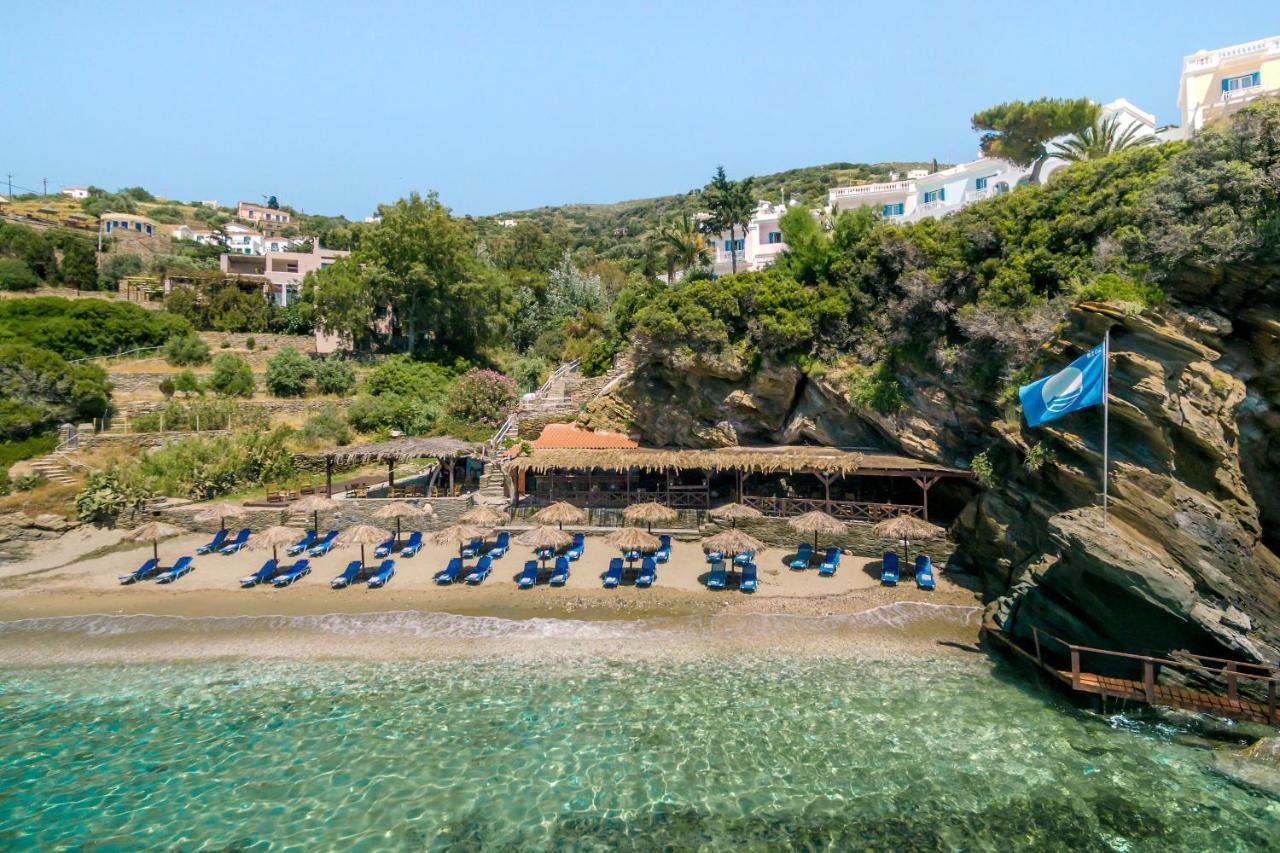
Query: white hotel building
x=1216, y=83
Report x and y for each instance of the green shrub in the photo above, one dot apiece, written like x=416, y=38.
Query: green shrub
x=383, y=412
x=28, y=482
x=79, y=267
x=110, y=493
x=1110, y=287
x=39, y=389
x=326, y=427
x=232, y=376
x=203, y=468
x=481, y=396
x=166, y=387
x=186, y=382
x=166, y=213
x=599, y=359
x=186, y=350
x=288, y=372
x=249, y=343
x=116, y=267
x=16, y=275
x=876, y=389
x=82, y=328
x=983, y=469
x=1038, y=456
x=401, y=375
x=335, y=376
x=530, y=372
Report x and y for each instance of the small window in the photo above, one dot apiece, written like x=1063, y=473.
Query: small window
x=775, y=236
x=1244, y=81
x=980, y=184
x=728, y=247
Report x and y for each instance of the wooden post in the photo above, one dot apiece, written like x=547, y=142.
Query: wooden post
x=825, y=477
x=328, y=476
x=739, y=485
x=1075, y=668
x=391, y=476
x=925, y=483
x=1149, y=681
x=628, y=485
x=451, y=461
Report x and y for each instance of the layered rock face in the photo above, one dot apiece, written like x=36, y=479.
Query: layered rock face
x=1187, y=559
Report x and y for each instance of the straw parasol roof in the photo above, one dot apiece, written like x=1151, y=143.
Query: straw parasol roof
x=362, y=534
x=816, y=522
x=545, y=537
x=907, y=527
x=274, y=537
x=650, y=511
x=733, y=541
x=765, y=460
x=483, y=516
x=734, y=512
x=404, y=449
x=560, y=514
x=153, y=532
x=402, y=509
x=314, y=504
x=220, y=512
x=633, y=539
x=458, y=534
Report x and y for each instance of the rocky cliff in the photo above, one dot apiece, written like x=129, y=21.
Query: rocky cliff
x=1187, y=559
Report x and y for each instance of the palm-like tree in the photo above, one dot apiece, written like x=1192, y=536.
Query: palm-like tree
x=732, y=205
x=1101, y=138
x=683, y=245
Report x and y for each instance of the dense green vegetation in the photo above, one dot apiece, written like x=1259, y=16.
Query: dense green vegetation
x=39, y=389
x=82, y=328
x=55, y=256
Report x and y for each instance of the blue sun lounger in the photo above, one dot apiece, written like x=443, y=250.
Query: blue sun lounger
x=648, y=572
x=560, y=574
x=743, y=558
x=236, y=544
x=613, y=576
x=804, y=556
x=718, y=575
x=528, y=575
x=350, y=575
x=213, y=544
x=473, y=547
x=385, y=548
x=383, y=574
x=300, y=569
x=412, y=545
x=715, y=556
x=747, y=583
x=924, y=572
x=480, y=572
x=576, y=548
x=308, y=539
x=184, y=566
x=501, y=545
x=262, y=575
x=830, y=562
x=142, y=573
x=324, y=545
x=889, y=569
x=449, y=573
x=664, y=549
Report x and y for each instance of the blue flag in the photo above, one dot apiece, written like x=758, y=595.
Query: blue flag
x=1076, y=386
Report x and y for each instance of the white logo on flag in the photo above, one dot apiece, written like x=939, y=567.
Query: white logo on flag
x=1062, y=389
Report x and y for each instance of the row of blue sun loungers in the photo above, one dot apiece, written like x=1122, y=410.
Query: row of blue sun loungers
x=152, y=570
x=718, y=577
x=889, y=573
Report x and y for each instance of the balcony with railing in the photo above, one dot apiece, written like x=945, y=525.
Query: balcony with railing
x=871, y=189
x=1210, y=59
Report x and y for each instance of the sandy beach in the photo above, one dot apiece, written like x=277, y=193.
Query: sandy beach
x=66, y=601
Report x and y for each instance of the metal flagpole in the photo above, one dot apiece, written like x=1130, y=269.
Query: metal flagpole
x=1106, y=418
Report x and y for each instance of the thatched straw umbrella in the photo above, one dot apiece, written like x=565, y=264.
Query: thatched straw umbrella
x=399, y=510
x=649, y=513
x=220, y=512
x=632, y=540
x=274, y=537
x=560, y=514
x=153, y=532
x=906, y=528
x=362, y=534
x=545, y=539
x=458, y=534
x=733, y=512
x=733, y=542
x=483, y=516
x=314, y=504
x=815, y=522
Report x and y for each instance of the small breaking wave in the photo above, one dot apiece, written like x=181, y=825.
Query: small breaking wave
x=451, y=626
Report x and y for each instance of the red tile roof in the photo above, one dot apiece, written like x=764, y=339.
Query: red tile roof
x=571, y=437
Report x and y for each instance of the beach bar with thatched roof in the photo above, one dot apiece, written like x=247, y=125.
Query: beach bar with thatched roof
x=781, y=481
x=452, y=460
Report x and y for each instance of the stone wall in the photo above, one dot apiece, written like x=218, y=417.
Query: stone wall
x=273, y=343
x=307, y=405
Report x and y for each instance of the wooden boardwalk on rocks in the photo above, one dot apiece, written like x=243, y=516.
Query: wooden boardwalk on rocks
x=1227, y=702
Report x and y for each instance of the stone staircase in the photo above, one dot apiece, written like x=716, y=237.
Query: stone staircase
x=493, y=487
x=55, y=467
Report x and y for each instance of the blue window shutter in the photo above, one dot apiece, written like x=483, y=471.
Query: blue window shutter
x=1226, y=85
x=942, y=194
x=1257, y=78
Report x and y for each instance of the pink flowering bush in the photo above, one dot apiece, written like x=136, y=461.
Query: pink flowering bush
x=482, y=396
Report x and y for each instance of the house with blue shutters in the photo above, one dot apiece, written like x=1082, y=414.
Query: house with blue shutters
x=1216, y=83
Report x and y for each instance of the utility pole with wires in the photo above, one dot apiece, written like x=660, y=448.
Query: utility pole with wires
x=44, y=182
x=10, y=175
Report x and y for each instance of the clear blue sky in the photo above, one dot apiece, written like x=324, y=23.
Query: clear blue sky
x=335, y=106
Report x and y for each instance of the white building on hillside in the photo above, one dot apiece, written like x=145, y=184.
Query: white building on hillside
x=283, y=271
x=242, y=240
x=203, y=236
x=923, y=195
x=76, y=192
x=756, y=248
x=1216, y=83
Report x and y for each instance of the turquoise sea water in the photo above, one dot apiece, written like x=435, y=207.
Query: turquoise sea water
x=715, y=753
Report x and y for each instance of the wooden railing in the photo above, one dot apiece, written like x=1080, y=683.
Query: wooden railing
x=843, y=510
x=602, y=499
x=1230, y=673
